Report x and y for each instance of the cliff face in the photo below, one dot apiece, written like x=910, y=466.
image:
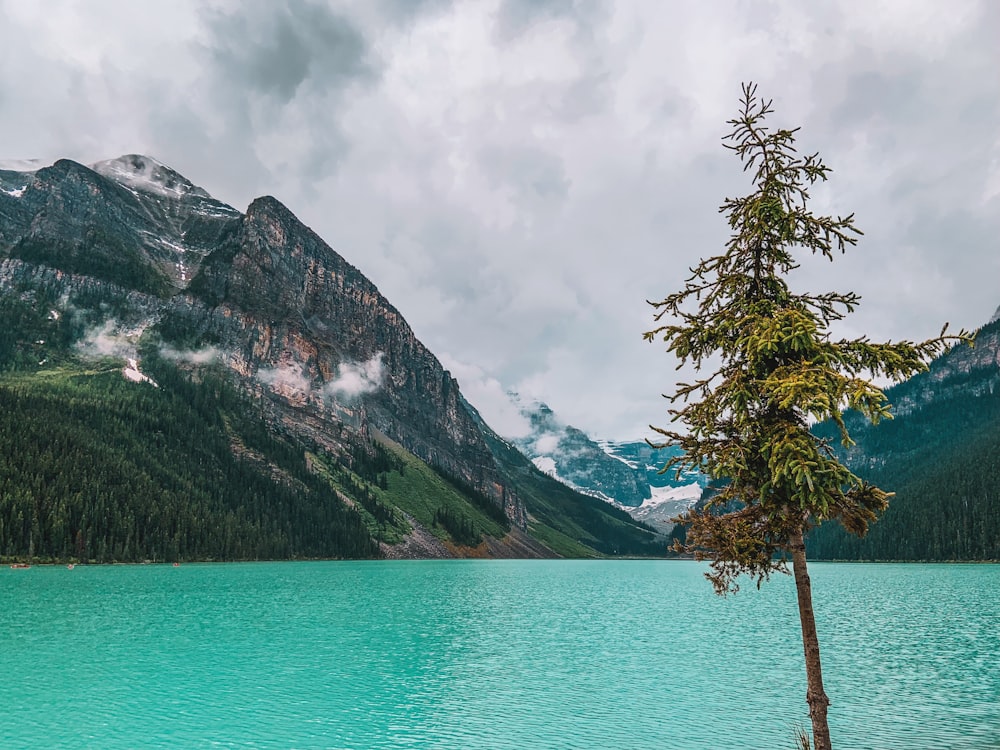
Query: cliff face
x=969, y=370
x=312, y=328
x=258, y=292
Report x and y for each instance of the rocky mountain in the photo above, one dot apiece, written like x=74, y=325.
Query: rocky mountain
x=940, y=455
x=627, y=474
x=127, y=259
x=568, y=454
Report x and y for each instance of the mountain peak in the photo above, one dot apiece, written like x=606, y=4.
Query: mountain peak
x=268, y=205
x=144, y=173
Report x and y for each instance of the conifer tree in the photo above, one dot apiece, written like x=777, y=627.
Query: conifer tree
x=768, y=367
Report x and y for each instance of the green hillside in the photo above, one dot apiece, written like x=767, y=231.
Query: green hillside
x=390, y=484
x=943, y=462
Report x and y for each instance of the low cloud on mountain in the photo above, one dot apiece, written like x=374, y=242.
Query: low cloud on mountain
x=352, y=379
x=355, y=379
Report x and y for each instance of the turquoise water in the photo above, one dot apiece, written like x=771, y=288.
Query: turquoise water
x=490, y=654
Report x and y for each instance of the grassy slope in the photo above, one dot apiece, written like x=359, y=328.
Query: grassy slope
x=409, y=488
x=419, y=491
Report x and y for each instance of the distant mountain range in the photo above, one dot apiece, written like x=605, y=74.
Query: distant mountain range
x=626, y=474
x=182, y=380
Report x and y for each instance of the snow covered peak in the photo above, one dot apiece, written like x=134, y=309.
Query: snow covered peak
x=148, y=175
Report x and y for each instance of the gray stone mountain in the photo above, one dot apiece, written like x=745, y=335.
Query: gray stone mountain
x=626, y=473
x=284, y=311
x=568, y=454
x=262, y=295
x=129, y=221
x=282, y=301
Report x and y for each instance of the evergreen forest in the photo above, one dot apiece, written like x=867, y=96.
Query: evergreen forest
x=96, y=468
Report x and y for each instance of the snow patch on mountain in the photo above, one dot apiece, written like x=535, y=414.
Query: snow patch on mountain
x=666, y=504
x=132, y=372
x=181, y=251
x=689, y=493
x=18, y=177
x=216, y=210
x=608, y=447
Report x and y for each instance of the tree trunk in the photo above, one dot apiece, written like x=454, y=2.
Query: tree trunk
x=815, y=695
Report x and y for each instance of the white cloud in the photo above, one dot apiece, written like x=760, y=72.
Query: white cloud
x=490, y=398
x=109, y=339
x=547, y=443
x=355, y=379
x=351, y=380
x=194, y=356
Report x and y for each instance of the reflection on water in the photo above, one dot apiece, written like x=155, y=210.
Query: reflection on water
x=490, y=654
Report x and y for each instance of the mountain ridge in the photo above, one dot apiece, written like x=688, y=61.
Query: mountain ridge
x=625, y=474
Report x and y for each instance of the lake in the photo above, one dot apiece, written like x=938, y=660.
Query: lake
x=525, y=655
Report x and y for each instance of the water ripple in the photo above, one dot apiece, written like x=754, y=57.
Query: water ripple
x=495, y=655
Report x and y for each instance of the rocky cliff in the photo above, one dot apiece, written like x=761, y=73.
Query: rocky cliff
x=294, y=315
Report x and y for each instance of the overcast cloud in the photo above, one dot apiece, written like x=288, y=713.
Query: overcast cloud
x=519, y=176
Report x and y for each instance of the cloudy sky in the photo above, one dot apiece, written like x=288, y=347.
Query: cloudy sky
x=519, y=176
